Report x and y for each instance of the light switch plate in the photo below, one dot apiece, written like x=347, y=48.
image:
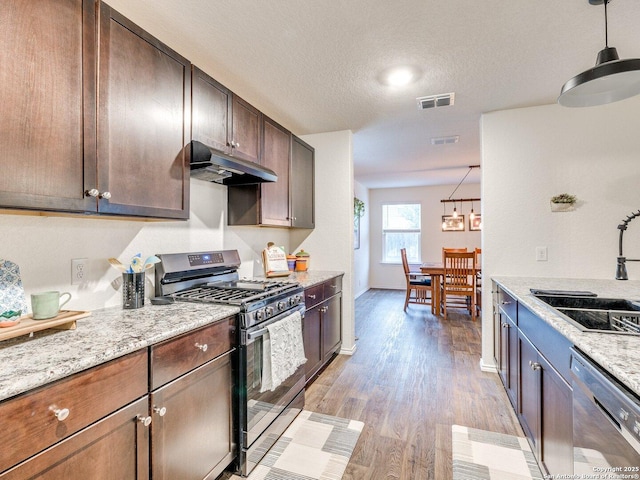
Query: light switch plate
x=541, y=254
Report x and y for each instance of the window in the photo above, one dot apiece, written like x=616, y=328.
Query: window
x=401, y=229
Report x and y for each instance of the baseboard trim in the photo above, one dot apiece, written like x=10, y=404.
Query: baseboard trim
x=348, y=351
x=486, y=367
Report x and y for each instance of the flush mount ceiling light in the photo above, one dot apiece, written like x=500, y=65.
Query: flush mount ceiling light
x=399, y=76
x=609, y=81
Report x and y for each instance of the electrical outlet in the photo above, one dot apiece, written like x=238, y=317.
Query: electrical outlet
x=541, y=254
x=78, y=270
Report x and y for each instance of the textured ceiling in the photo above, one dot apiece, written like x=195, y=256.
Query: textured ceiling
x=315, y=65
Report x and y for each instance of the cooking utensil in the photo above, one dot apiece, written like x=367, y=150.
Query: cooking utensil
x=150, y=261
x=116, y=263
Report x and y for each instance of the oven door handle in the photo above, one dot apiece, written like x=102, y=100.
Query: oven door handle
x=252, y=335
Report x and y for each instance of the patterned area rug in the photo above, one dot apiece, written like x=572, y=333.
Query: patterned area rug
x=481, y=455
x=314, y=447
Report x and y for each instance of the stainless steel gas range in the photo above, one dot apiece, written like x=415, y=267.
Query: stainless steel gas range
x=262, y=413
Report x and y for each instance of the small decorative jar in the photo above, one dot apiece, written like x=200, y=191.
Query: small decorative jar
x=302, y=261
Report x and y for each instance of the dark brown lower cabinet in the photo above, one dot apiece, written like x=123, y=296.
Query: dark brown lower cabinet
x=191, y=432
x=322, y=324
x=546, y=410
x=114, y=448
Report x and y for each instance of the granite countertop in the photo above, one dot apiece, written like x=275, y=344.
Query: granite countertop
x=30, y=362
x=618, y=354
x=310, y=278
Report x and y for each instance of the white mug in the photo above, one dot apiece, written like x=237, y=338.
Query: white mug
x=47, y=304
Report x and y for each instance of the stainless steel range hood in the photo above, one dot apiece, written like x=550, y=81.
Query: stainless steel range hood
x=212, y=166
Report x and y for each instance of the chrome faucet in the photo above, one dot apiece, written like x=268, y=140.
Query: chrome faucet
x=621, y=270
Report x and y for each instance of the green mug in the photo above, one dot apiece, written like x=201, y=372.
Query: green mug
x=47, y=304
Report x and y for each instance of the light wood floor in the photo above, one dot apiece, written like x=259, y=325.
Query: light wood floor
x=413, y=375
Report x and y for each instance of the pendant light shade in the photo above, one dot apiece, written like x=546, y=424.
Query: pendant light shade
x=609, y=81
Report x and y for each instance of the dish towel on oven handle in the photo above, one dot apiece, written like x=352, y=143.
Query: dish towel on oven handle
x=282, y=351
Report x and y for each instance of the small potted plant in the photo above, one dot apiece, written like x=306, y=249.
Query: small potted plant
x=563, y=202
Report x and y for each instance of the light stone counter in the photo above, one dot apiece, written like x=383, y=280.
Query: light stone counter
x=27, y=363
x=618, y=354
x=310, y=278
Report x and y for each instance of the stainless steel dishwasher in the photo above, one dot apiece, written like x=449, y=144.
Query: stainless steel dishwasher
x=606, y=423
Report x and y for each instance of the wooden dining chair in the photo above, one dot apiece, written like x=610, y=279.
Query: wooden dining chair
x=478, y=281
x=419, y=288
x=446, y=249
x=459, y=282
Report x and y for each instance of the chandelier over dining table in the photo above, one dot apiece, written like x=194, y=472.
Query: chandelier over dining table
x=473, y=215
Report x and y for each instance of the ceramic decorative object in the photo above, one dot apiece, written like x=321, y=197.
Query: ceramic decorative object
x=12, y=298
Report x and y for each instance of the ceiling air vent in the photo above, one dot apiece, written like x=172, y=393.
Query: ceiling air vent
x=433, y=101
x=445, y=140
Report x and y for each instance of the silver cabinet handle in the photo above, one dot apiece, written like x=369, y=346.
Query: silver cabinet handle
x=160, y=411
x=202, y=347
x=312, y=297
x=92, y=193
x=534, y=365
x=105, y=195
x=505, y=303
x=505, y=325
x=146, y=421
x=60, y=413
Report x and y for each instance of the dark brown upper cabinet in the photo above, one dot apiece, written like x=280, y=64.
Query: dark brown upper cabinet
x=211, y=112
x=47, y=86
x=302, y=181
x=276, y=155
x=143, y=122
x=224, y=121
x=60, y=149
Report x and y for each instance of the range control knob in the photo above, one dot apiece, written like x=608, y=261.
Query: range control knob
x=281, y=306
x=260, y=315
x=268, y=311
x=292, y=301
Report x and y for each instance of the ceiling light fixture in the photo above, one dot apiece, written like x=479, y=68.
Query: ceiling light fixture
x=609, y=81
x=399, y=76
x=461, y=200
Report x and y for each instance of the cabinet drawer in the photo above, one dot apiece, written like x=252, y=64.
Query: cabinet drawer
x=29, y=422
x=508, y=305
x=332, y=287
x=313, y=295
x=177, y=356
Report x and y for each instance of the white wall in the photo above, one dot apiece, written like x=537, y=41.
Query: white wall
x=330, y=244
x=531, y=154
x=43, y=246
x=433, y=238
x=361, y=262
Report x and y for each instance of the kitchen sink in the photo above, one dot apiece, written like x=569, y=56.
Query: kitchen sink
x=595, y=314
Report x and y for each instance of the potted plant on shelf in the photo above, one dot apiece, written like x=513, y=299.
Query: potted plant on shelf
x=563, y=202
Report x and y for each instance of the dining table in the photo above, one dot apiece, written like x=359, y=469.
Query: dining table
x=436, y=271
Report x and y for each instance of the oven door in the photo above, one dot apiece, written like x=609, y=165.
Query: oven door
x=260, y=409
x=604, y=417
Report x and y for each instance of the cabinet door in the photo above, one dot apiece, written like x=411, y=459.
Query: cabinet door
x=210, y=112
x=274, y=196
x=47, y=126
x=556, y=420
x=143, y=122
x=302, y=184
x=529, y=398
x=312, y=341
x=246, y=130
x=331, y=326
x=508, y=364
x=115, y=448
x=191, y=432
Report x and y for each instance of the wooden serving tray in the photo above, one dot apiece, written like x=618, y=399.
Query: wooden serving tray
x=65, y=320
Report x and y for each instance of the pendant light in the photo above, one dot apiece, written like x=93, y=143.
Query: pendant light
x=609, y=81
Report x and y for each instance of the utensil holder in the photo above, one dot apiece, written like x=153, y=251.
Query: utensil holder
x=133, y=290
